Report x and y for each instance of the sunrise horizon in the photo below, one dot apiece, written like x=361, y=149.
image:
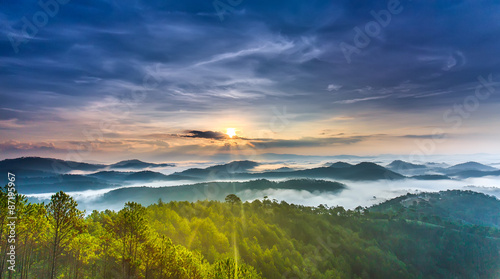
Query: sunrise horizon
x=254, y=139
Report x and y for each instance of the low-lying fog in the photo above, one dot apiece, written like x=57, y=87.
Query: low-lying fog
x=369, y=193
x=356, y=193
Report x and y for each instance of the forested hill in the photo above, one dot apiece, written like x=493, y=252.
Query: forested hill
x=259, y=239
x=213, y=190
x=465, y=207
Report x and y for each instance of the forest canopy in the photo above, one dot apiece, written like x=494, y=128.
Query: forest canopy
x=259, y=239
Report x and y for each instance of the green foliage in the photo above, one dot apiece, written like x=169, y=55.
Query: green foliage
x=232, y=198
x=230, y=269
x=463, y=207
x=64, y=220
x=261, y=239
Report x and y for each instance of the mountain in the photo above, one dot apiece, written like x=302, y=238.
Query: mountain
x=48, y=165
x=124, y=177
x=94, y=181
x=218, y=171
x=231, y=171
x=436, y=165
x=470, y=166
x=295, y=157
x=42, y=167
x=399, y=165
x=28, y=173
x=146, y=176
x=361, y=171
x=214, y=190
x=110, y=175
x=475, y=173
x=284, y=169
x=47, y=174
x=338, y=165
x=61, y=182
x=137, y=164
x=234, y=167
x=457, y=206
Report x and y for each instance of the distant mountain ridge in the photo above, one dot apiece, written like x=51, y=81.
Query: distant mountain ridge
x=218, y=171
x=37, y=174
x=475, y=173
x=137, y=164
x=339, y=165
x=47, y=165
x=402, y=165
x=361, y=171
x=57, y=166
x=471, y=166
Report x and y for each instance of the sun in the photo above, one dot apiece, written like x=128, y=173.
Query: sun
x=231, y=132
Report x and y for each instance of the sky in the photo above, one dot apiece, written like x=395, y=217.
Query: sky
x=163, y=80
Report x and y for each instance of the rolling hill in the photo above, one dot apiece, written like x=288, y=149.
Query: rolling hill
x=475, y=173
x=398, y=165
x=361, y=171
x=137, y=164
x=470, y=166
x=464, y=207
x=47, y=165
x=338, y=165
x=213, y=190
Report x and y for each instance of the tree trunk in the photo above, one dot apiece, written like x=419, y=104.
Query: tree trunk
x=54, y=256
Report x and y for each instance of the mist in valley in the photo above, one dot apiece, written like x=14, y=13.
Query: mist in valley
x=365, y=193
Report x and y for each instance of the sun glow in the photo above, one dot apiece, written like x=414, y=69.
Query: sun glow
x=231, y=132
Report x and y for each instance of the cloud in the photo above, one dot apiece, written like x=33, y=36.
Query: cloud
x=352, y=101
x=15, y=146
x=10, y=124
x=84, y=149
x=206, y=135
x=267, y=48
x=305, y=142
x=428, y=136
x=91, y=58
x=332, y=87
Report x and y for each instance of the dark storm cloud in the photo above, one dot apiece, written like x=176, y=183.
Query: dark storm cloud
x=266, y=52
x=205, y=135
